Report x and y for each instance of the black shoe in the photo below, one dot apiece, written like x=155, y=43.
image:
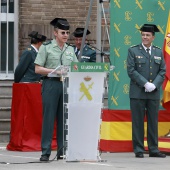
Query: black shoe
x=44, y=158
x=139, y=155
x=157, y=154
x=60, y=157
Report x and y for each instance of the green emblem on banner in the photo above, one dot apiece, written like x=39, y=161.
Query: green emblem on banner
x=90, y=67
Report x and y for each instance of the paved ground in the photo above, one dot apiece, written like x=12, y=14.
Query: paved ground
x=110, y=161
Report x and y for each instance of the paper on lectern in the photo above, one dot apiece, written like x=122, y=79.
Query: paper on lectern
x=62, y=69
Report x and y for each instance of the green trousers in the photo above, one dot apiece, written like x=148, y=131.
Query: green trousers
x=139, y=109
x=52, y=96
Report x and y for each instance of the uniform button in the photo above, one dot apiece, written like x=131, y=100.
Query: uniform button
x=150, y=73
x=150, y=67
x=150, y=80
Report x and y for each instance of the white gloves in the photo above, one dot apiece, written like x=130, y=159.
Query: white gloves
x=149, y=87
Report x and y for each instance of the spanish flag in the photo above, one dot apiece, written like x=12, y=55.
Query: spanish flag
x=116, y=131
x=166, y=83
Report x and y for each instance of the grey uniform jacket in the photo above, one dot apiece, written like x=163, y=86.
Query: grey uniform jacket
x=142, y=69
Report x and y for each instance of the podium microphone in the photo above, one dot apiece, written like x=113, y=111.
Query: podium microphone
x=103, y=54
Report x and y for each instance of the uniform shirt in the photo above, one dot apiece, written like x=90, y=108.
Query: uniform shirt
x=51, y=56
x=25, y=70
x=142, y=69
x=88, y=54
x=147, y=48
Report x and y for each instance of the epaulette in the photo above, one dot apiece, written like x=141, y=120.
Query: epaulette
x=70, y=44
x=29, y=49
x=91, y=47
x=156, y=47
x=133, y=46
x=47, y=42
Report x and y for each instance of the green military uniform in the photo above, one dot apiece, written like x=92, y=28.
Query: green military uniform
x=88, y=54
x=25, y=70
x=51, y=56
x=141, y=69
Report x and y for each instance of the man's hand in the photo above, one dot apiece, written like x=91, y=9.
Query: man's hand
x=149, y=87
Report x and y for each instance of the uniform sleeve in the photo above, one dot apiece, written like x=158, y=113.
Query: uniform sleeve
x=22, y=67
x=131, y=70
x=41, y=56
x=93, y=56
x=161, y=74
x=74, y=57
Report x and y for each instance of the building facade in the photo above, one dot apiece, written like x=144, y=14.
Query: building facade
x=19, y=17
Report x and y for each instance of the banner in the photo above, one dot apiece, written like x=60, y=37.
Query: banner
x=125, y=20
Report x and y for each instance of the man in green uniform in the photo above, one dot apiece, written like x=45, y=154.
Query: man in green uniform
x=51, y=55
x=25, y=70
x=88, y=54
x=146, y=69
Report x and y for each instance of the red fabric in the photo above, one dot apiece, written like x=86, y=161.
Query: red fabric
x=167, y=58
x=26, y=118
x=115, y=146
x=116, y=115
x=166, y=51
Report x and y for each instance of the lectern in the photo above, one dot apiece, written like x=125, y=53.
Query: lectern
x=83, y=102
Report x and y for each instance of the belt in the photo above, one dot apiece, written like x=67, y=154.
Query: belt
x=53, y=78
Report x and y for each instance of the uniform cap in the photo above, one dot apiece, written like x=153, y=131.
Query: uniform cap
x=149, y=28
x=79, y=32
x=60, y=23
x=34, y=34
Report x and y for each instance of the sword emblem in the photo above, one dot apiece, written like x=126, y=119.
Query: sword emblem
x=116, y=76
x=117, y=3
x=161, y=4
x=84, y=89
x=114, y=100
x=117, y=51
x=139, y=4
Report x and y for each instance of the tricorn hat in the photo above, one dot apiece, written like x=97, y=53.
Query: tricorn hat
x=60, y=23
x=34, y=34
x=149, y=28
x=79, y=32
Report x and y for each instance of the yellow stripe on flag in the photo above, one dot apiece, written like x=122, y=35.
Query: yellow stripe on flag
x=160, y=144
x=167, y=49
x=116, y=131
x=163, y=128
x=167, y=88
x=123, y=130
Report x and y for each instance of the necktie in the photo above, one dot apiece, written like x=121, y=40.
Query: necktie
x=77, y=52
x=147, y=50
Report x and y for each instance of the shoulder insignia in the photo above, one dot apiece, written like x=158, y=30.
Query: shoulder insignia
x=92, y=48
x=46, y=43
x=156, y=47
x=29, y=49
x=72, y=45
x=133, y=46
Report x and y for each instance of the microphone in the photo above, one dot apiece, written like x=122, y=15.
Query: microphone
x=103, y=54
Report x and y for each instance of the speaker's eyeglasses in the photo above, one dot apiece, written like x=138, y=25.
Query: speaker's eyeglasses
x=65, y=32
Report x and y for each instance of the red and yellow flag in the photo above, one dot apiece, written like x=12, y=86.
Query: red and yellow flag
x=166, y=83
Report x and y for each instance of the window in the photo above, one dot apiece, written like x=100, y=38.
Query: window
x=8, y=38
